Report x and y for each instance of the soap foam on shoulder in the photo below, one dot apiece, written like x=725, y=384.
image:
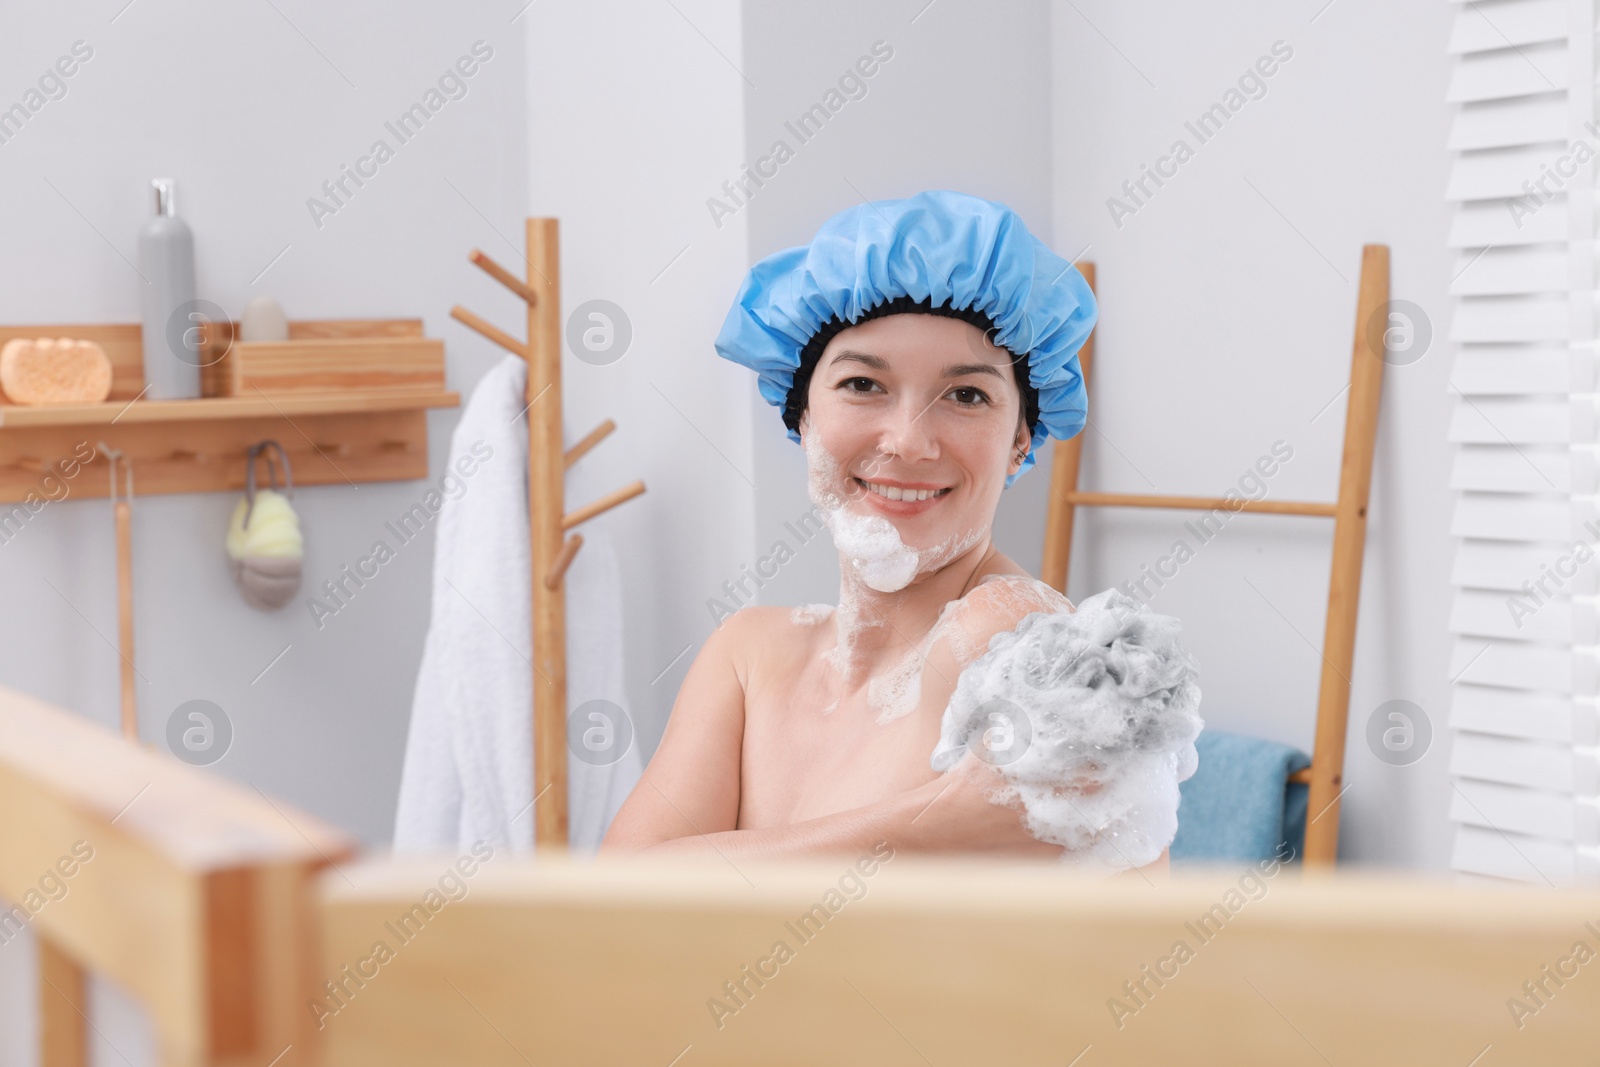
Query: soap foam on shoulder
x=810, y=614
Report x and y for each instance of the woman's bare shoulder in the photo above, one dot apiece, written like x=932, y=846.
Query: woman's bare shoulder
x=759, y=632
x=998, y=603
x=1013, y=594
x=767, y=619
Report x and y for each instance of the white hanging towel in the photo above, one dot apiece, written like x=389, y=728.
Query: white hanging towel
x=468, y=773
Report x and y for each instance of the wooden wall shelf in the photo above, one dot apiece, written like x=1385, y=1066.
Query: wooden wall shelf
x=223, y=407
x=333, y=437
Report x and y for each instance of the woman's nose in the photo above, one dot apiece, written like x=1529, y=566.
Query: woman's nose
x=909, y=431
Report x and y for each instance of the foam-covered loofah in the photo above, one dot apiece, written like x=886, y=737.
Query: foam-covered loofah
x=1099, y=710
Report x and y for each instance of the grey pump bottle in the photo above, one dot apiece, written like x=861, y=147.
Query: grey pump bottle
x=171, y=340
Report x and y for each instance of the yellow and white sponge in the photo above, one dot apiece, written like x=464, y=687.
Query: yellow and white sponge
x=265, y=555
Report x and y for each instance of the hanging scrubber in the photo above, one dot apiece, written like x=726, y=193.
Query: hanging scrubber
x=265, y=550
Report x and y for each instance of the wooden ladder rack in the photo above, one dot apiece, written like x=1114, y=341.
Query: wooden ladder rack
x=1349, y=514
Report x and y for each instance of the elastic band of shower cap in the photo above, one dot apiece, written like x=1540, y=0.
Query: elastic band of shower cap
x=946, y=248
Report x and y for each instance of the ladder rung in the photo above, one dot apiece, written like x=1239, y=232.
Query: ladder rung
x=1199, y=503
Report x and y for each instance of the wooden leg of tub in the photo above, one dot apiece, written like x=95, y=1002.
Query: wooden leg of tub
x=63, y=1007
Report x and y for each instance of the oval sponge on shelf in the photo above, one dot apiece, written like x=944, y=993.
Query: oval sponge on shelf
x=58, y=370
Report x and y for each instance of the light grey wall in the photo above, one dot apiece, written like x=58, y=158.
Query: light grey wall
x=634, y=122
x=964, y=103
x=1228, y=305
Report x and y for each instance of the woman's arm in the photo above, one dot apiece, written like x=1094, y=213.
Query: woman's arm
x=691, y=786
x=947, y=814
x=687, y=800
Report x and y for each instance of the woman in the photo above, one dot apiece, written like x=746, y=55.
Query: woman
x=920, y=350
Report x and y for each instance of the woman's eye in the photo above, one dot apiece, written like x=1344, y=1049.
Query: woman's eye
x=970, y=396
x=849, y=385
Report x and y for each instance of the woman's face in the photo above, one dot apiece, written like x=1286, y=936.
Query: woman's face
x=917, y=406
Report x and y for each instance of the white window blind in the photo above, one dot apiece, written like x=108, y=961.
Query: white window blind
x=1525, y=782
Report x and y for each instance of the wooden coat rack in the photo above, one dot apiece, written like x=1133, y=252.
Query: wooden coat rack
x=553, y=548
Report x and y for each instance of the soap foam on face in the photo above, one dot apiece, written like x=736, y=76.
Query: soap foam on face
x=873, y=547
x=1090, y=719
x=868, y=543
x=872, y=555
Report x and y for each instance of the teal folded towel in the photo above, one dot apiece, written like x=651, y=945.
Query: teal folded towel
x=1239, y=805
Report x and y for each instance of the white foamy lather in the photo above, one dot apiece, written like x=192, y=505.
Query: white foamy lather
x=1106, y=710
x=873, y=546
x=810, y=614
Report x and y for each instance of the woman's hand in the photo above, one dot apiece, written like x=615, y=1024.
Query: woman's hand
x=958, y=816
x=953, y=814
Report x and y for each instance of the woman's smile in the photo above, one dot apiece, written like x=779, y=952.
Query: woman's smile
x=901, y=499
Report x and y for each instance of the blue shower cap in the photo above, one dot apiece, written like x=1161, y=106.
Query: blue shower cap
x=948, y=248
